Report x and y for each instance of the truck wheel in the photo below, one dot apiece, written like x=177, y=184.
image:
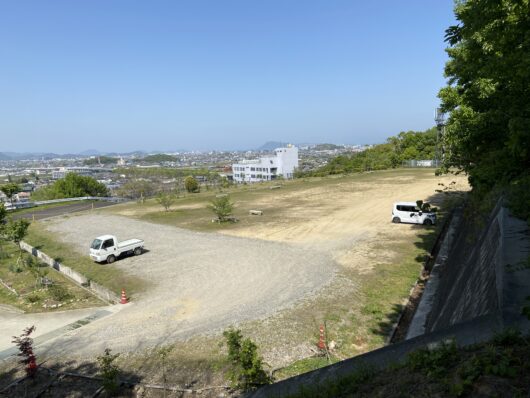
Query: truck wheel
x=427, y=222
x=396, y=220
x=111, y=259
x=137, y=251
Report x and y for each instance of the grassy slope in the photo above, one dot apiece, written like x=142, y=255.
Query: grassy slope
x=499, y=368
x=366, y=324
x=103, y=274
x=32, y=297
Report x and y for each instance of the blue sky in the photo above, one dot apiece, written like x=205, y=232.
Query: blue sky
x=121, y=75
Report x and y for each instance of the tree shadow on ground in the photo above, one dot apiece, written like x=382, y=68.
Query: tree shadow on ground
x=62, y=379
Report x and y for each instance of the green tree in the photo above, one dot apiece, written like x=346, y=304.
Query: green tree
x=137, y=189
x=3, y=215
x=16, y=231
x=166, y=200
x=10, y=190
x=72, y=186
x=191, y=184
x=488, y=93
x=222, y=206
x=247, y=366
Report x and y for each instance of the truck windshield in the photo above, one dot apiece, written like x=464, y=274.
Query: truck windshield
x=96, y=244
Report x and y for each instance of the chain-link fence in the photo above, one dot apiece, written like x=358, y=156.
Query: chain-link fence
x=422, y=163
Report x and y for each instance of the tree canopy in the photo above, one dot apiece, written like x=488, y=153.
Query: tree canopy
x=100, y=159
x=158, y=158
x=488, y=93
x=488, y=99
x=406, y=145
x=10, y=189
x=72, y=186
x=191, y=184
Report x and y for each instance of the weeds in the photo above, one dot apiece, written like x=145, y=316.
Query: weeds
x=109, y=371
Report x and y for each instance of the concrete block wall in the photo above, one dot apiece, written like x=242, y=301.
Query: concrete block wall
x=100, y=291
x=467, y=285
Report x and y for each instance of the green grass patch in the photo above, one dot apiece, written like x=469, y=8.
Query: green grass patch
x=32, y=295
x=190, y=211
x=104, y=274
x=497, y=368
x=304, y=365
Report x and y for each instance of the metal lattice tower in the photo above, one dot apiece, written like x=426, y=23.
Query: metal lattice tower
x=439, y=118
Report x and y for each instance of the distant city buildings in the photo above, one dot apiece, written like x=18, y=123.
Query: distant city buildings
x=283, y=163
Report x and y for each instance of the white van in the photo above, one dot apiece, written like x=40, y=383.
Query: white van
x=409, y=212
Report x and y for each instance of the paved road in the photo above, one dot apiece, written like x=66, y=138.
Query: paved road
x=60, y=210
x=48, y=325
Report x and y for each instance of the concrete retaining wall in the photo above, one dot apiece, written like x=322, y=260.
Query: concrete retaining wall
x=474, y=275
x=479, y=283
x=100, y=291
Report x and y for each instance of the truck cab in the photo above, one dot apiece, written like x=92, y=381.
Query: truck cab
x=108, y=248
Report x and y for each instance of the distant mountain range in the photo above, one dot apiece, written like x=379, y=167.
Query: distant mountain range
x=271, y=146
x=49, y=155
x=268, y=146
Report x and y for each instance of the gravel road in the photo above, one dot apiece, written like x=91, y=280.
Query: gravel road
x=201, y=282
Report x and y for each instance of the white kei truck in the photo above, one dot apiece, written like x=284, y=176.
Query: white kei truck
x=108, y=248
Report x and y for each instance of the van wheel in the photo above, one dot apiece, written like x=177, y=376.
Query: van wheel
x=427, y=222
x=396, y=220
x=111, y=259
x=137, y=251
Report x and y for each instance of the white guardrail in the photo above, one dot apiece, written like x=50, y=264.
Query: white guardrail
x=25, y=205
x=105, y=199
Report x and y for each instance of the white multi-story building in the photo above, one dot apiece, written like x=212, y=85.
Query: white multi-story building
x=283, y=163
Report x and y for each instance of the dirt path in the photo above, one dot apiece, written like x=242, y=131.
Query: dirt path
x=348, y=219
x=205, y=282
x=202, y=282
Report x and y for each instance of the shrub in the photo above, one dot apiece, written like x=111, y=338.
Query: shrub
x=109, y=371
x=192, y=185
x=247, y=366
x=222, y=207
x=165, y=199
x=25, y=347
x=59, y=292
x=33, y=298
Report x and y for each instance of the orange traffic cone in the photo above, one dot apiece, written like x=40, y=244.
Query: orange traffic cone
x=321, y=342
x=123, y=297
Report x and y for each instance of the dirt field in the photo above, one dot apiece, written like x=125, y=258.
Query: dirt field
x=201, y=282
x=324, y=251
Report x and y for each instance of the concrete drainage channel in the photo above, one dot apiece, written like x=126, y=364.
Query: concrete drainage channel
x=58, y=332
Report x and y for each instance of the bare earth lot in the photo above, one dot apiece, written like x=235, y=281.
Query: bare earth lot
x=202, y=282
x=324, y=251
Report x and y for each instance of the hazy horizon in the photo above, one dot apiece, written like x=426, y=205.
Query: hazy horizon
x=122, y=76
